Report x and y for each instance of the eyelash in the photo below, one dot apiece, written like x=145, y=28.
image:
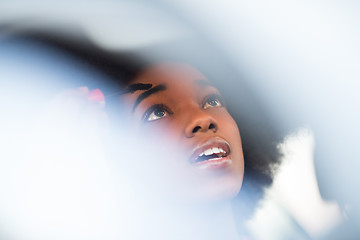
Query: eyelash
x=162, y=107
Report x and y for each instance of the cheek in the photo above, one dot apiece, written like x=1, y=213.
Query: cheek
x=168, y=128
x=229, y=128
x=228, y=125
x=164, y=132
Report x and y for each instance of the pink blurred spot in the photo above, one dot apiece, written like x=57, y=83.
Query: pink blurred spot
x=96, y=96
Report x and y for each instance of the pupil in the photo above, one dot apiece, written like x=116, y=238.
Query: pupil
x=159, y=113
x=213, y=102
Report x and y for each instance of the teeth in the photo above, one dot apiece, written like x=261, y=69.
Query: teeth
x=208, y=152
x=216, y=150
x=211, y=151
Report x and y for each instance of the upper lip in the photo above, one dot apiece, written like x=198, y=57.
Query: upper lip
x=209, y=144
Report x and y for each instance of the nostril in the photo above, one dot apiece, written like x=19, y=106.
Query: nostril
x=196, y=129
x=212, y=126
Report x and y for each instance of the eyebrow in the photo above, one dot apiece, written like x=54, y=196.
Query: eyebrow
x=149, y=92
x=138, y=86
x=131, y=89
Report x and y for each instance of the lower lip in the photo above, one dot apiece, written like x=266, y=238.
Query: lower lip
x=214, y=164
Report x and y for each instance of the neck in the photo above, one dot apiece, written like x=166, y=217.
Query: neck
x=211, y=221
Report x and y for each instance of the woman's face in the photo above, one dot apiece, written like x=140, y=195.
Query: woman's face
x=178, y=103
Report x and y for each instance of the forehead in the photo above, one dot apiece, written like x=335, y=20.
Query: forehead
x=168, y=82
x=170, y=74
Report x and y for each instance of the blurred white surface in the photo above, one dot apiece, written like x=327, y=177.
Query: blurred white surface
x=295, y=196
x=116, y=25
x=303, y=58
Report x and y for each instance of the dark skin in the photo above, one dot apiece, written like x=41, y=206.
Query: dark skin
x=178, y=102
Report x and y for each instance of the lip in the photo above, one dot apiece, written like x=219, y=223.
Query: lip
x=214, y=163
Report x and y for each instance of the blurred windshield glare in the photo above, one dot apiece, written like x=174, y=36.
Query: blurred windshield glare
x=300, y=58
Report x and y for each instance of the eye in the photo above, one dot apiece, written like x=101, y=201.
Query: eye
x=212, y=101
x=156, y=112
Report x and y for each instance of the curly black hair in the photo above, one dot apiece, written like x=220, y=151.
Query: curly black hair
x=259, y=134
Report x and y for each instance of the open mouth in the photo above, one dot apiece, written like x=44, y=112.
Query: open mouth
x=213, y=153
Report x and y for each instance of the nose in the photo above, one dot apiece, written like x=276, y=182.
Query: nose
x=200, y=121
